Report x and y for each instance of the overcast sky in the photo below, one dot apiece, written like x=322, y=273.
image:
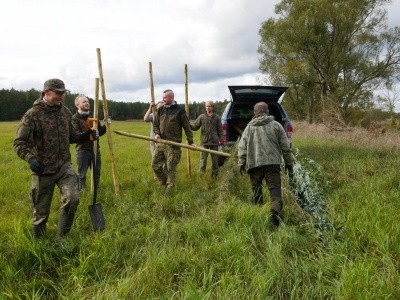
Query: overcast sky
x=217, y=39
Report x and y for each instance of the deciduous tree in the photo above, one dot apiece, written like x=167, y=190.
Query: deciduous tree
x=335, y=53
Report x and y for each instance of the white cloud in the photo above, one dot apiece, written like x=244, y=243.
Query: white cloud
x=217, y=40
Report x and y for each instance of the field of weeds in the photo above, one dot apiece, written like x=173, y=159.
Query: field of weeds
x=206, y=240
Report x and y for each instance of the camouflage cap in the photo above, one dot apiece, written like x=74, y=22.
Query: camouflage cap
x=55, y=85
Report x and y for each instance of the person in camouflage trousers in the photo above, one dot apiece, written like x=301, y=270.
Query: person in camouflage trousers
x=260, y=151
x=211, y=135
x=84, y=150
x=43, y=140
x=168, y=123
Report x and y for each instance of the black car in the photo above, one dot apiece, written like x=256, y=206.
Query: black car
x=239, y=111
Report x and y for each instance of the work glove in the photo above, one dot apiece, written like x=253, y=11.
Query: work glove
x=289, y=171
x=86, y=136
x=102, y=130
x=36, y=166
x=95, y=134
x=242, y=169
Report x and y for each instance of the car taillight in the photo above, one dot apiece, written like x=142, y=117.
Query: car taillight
x=289, y=132
x=224, y=134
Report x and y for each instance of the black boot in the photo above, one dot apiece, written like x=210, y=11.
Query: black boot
x=276, y=208
x=275, y=219
x=39, y=230
x=257, y=195
x=65, y=223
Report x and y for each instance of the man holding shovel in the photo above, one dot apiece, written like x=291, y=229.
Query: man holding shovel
x=84, y=150
x=260, y=151
x=168, y=123
x=43, y=140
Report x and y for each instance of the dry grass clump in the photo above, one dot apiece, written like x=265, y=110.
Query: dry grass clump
x=356, y=136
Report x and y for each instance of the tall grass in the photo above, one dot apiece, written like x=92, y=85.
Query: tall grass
x=206, y=240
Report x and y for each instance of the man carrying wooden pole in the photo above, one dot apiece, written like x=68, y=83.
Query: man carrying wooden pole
x=168, y=124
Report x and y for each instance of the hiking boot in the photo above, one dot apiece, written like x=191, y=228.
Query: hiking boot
x=275, y=219
x=39, y=230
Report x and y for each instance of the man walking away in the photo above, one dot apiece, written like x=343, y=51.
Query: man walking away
x=260, y=151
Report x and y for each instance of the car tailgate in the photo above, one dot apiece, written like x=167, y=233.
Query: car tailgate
x=256, y=93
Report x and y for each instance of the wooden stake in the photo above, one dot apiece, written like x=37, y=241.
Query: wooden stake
x=190, y=147
x=152, y=88
x=105, y=110
x=189, y=165
x=96, y=116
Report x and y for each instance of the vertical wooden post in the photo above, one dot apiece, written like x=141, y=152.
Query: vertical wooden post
x=152, y=87
x=189, y=165
x=96, y=116
x=105, y=110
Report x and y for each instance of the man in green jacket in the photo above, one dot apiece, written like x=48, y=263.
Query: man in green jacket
x=211, y=135
x=168, y=123
x=43, y=140
x=260, y=151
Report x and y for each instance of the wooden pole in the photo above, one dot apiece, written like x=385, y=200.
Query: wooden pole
x=105, y=110
x=189, y=165
x=152, y=88
x=190, y=147
x=96, y=116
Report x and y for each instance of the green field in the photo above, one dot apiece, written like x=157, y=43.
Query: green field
x=206, y=240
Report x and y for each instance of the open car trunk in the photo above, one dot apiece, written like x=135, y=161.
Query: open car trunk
x=244, y=97
x=243, y=113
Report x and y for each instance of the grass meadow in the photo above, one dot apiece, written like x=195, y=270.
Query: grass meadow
x=205, y=240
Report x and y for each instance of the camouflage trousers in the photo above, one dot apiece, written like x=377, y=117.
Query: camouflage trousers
x=42, y=190
x=272, y=176
x=165, y=161
x=214, y=160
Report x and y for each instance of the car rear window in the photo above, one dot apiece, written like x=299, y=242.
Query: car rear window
x=262, y=91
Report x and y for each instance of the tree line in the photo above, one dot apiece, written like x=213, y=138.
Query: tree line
x=15, y=103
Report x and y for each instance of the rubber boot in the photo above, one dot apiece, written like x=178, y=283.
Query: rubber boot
x=81, y=184
x=275, y=219
x=65, y=223
x=276, y=208
x=39, y=230
x=257, y=195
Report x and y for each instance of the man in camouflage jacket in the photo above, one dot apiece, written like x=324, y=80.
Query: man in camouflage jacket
x=211, y=135
x=168, y=123
x=43, y=140
x=260, y=151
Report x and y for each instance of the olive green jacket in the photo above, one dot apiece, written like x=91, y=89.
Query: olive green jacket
x=169, y=121
x=211, y=129
x=264, y=142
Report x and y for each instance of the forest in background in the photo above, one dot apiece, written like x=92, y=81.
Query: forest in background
x=15, y=103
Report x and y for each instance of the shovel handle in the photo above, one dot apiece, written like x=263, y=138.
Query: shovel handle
x=91, y=123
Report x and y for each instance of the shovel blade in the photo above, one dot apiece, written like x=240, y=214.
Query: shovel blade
x=97, y=216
